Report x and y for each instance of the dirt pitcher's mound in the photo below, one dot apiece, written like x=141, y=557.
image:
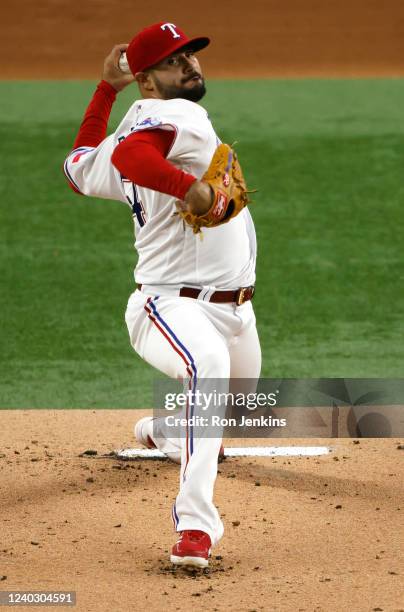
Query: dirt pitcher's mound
x=305, y=533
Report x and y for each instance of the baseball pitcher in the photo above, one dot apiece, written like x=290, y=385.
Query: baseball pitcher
x=190, y=314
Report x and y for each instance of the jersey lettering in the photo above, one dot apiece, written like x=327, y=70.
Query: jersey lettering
x=138, y=210
x=133, y=198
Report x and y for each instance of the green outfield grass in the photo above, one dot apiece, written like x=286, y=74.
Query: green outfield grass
x=328, y=160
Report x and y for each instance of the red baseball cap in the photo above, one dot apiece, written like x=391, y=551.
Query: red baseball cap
x=158, y=41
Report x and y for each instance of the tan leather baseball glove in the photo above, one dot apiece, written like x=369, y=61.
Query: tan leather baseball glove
x=230, y=193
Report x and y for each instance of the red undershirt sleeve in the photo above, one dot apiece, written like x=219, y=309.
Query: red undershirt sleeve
x=93, y=128
x=141, y=158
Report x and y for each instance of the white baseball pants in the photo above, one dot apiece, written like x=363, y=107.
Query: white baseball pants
x=192, y=339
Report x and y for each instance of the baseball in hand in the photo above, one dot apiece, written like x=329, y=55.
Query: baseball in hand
x=123, y=64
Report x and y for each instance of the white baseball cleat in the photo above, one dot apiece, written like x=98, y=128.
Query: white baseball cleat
x=144, y=435
x=143, y=429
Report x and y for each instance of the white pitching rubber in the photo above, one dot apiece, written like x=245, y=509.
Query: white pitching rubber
x=231, y=451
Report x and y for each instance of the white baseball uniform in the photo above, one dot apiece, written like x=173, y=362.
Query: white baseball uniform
x=187, y=338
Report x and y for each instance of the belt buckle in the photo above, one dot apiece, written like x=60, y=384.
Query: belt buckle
x=240, y=296
x=244, y=294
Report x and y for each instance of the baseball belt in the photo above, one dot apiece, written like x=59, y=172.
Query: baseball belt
x=239, y=296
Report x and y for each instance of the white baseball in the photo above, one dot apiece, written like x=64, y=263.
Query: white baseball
x=123, y=64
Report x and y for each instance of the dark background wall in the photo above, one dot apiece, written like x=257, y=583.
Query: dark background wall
x=61, y=39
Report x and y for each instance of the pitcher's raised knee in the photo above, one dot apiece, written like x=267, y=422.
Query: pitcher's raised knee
x=213, y=363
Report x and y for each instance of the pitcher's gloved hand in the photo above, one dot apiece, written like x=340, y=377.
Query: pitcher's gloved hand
x=226, y=197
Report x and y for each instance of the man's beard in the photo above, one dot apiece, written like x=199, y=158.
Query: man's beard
x=194, y=93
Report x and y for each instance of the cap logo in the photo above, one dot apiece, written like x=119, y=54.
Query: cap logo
x=171, y=27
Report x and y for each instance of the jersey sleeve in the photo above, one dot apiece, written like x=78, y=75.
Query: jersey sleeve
x=90, y=172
